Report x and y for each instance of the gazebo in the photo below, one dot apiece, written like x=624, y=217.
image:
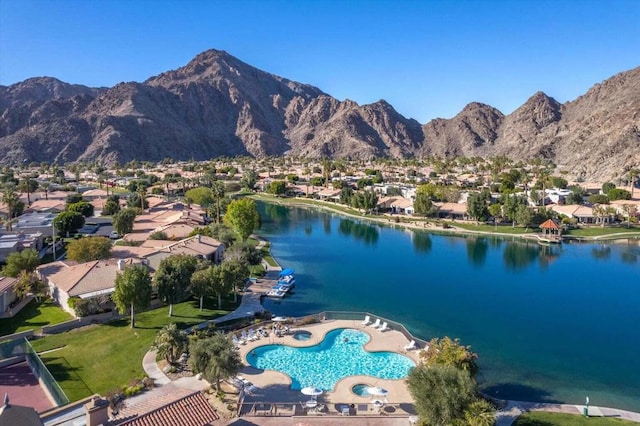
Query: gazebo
x=551, y=231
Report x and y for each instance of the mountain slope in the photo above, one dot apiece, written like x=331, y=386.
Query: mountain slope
x=218, y=105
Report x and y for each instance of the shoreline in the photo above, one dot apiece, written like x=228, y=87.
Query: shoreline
x=430, y=227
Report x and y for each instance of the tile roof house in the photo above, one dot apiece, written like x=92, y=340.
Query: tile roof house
x=82, y=280
x=199, y=246
x=180, y=407
x=7, y=295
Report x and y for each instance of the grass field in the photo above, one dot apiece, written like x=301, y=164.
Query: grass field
x=493, y=229
x=600, y=231
x=100, y=358
x=33, y=317
x=542, y=418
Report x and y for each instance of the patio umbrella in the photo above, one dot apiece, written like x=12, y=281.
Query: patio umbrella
x=376, y=391
x=311, y=391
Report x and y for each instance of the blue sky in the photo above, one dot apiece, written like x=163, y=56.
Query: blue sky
x=427, y=58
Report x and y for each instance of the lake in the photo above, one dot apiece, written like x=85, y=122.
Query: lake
x=549, y=323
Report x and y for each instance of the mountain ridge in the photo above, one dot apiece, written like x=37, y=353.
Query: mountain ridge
x=217, y=105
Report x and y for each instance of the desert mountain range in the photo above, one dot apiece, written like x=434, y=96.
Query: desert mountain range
x=217, y=105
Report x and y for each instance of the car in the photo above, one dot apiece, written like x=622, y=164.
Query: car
x=114, y=235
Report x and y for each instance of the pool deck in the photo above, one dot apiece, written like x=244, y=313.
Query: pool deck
x=273, y=386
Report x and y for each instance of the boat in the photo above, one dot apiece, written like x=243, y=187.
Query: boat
x=277, y=293
x=283, y=287
x=286, y=279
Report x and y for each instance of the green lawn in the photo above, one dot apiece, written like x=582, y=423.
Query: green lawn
x=495, y=229
x=599, y=231
x=542, y=418
x=33, y=317
x=101, y=358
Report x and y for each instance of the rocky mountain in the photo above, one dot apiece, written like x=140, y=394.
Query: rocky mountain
x=218, y=105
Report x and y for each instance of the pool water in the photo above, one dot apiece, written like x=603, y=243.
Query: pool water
x=302, y=335
x=341, y=354
x=360, y=389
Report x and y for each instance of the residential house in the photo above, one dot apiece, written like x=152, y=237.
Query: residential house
x=456, y=211
x=199, y=246
x=402, y=205
x=13, y=242
x=84, y=280
x=31, y=223
x=46, y=206
x=7, y=295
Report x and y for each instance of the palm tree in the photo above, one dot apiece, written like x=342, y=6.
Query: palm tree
x=218, y=190
x=11, y=199
x=171, y=343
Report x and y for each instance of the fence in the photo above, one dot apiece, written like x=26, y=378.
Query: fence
x=22, y=348
x=71, y=324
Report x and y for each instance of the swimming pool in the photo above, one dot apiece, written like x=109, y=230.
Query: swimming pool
x=339, y=355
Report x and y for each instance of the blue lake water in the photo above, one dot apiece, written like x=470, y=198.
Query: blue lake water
x=552, y=323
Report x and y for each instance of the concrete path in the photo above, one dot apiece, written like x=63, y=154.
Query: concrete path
x=150, y=367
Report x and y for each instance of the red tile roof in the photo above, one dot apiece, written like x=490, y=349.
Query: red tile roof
x=191, y=410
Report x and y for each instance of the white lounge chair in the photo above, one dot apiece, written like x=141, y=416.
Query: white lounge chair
x=237, y=341
x=376, y=324
x=384, y=327
x=252, y=335
x=244, y=335
x=410, y=346
x=367, y=320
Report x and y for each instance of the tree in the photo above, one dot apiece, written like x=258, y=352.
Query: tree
x=346, y=194
x=234, y=274
x=209, y=281
x=68, y=222
x=629, y=210
x=74, y=198
x=496, y=211
x=123, y=220
x=618, y=194
x=218, y=190
x=112, y=205
x=215, y=358
x=277, y=187
x=25, y=260
x=477, y=206
x=132, y=290
x=201, y=196
x=441, y=393
x=28, y=185
x=422, y=204
x=511, y=205
x=249, y=179
x=598, y=199
x=173, y=277
x=480, y=413
x=171, y=343
x=243, y=217
x=87, y=249
x=524, y=215
x=449, y=352
x=14, y=205
x=83, y=207
x=607, y=186
x=365, y=200
x=29, y=283
x=137, y=201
